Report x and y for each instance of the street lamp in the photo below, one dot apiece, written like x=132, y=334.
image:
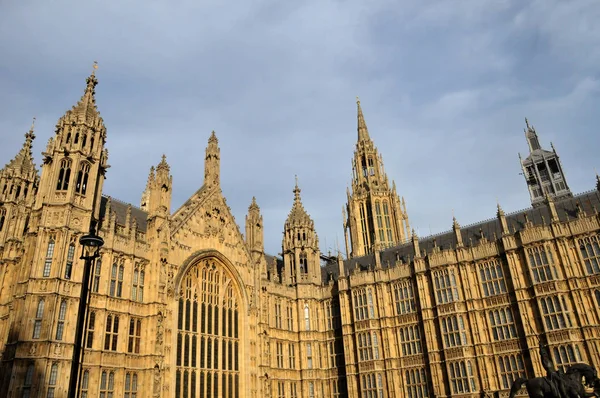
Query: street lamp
x=90, y=244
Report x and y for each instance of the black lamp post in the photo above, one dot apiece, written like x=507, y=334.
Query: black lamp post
x=91, y=244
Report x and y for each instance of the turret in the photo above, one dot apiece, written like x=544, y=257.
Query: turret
x=156, y=199
x=212, y=161
x=542, y=170
x=300, y=245
x=75, y=158
x=18, y=186
x=377, y=218
x=254, y=229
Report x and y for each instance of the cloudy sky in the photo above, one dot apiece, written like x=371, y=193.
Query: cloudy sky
x=444, y=85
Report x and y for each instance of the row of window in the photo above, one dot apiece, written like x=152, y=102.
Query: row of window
x=64, y=176
x=111, y=333
x=460, y=374
x=22, y=187
x=282, y=389
x=75, y=137
x=106, y=385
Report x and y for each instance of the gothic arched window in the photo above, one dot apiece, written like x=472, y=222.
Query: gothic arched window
x=82, y=178
x=49, y=255
x=37, y=323
x=64, y=175
x=306, y=317
x=207, y=355
x=60, y=326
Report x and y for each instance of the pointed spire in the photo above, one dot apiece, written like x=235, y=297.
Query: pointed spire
x=502, y=218
x=85, y=109
x=253, y=204
x=499, y=211
x=212, y=161
x=363, y=132
x=298, y=215
x=163, y=165
x=23, y=161
x=597, y=182
x=532, y=138
x=551, y=208
x=457, y=232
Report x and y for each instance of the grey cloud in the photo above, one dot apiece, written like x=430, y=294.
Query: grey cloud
x=444, y=87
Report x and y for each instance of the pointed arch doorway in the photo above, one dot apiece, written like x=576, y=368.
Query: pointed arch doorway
x=209, y=326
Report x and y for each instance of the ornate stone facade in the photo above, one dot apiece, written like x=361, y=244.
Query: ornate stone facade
x=183, y=305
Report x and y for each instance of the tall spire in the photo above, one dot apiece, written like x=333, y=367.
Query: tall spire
x=363, y=132
x=532, y=138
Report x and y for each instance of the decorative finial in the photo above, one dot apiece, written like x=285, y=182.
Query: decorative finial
x=527, y=123
x=29, y=136
x=94, y=68
x=357, y=100
x=296, y=178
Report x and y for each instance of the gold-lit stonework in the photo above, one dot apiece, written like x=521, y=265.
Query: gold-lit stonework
x=184, y=305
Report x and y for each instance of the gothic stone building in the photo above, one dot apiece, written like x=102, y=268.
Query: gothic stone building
x=185, y=305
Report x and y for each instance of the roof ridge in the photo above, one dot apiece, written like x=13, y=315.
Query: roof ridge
x=113, y=199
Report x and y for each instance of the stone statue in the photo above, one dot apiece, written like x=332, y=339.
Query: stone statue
x=558, y=384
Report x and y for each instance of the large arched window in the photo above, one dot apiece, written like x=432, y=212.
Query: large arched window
x=207, y=334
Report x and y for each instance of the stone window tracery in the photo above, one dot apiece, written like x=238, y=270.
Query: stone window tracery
x=137, y=289
x=511, y=368
x=82, y=178
x=461, y=377
x=492, y=278
x=410, y=340
x=70, y=256
x=445, y=286
x=541, y=264
x=64, y=175
x=207, y=353
x=404, y=298
x=363, y=304
x=60, y=326
x=112, y=333
x=52, y=380
x=306, y=317
x=416, y=383
x=107, y=384
x=503, y=324
x=49, y=255
x=37, y=323
x=590, y=252
x=85, y=383
x=97, y=273
x=131, y=383
x=453, y=331
x=566, y=355
x=135, y=333
x=89, y=340
x=27, y=384
x=555, y=312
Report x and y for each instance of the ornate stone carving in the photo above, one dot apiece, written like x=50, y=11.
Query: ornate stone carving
x=156, y=382
x=160, y=331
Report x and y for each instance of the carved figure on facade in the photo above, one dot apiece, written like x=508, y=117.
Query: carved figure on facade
x=160, y=331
